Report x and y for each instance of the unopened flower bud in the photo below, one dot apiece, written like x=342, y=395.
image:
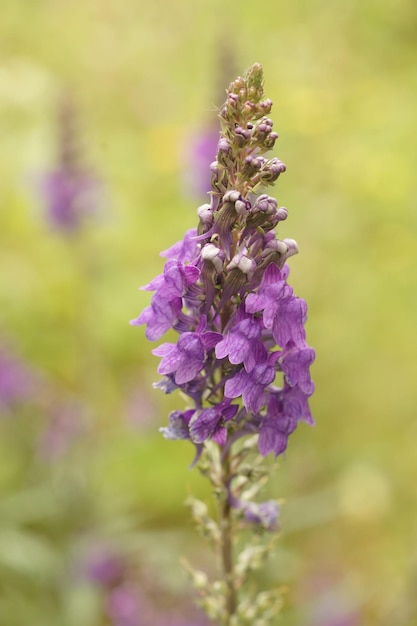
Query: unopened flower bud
x=223, y=145
x=282, y=214
x=213, y=254
x=292, y=247
x=281, y=247
x=266, y=204
x=205, y=213
x=241, y=208
x=243, y=263
x=231, y=196
x=272, y=170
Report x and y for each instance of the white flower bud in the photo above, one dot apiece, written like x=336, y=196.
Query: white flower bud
x=231, y=196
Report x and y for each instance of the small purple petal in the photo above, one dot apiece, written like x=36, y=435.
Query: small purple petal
x=265, y=514
x=178, y=425
x=184, y=250
x=295, y=364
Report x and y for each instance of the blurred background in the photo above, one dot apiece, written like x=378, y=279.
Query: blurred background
x=107, y=124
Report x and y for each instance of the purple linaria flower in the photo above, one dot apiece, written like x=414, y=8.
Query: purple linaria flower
x=186, y=358
x=252, y=385
x=178, y=425
x=224, y=291
x=210, y=423
x=241, y=344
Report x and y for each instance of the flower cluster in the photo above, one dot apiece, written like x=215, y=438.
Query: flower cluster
x=241, y=354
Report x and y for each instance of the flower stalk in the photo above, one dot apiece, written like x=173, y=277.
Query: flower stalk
x=226, y=533
x=241, y=358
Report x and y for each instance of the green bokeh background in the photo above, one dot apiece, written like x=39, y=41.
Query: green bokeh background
x=145, y=77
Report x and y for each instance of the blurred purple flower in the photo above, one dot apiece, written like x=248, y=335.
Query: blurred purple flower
x=69, y=191
x=124, y=607
x=17, y=381
x=69, y=196
x=65, y=425
x=140, y=407
x=200, y=153
x=264, y=514
x=103, y=566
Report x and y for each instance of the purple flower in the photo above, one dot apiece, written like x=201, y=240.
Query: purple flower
x=201, y=151
x=159, y=317
x=174, y=281
x=241, y=344
x=285, y=408
x=69, y=195
x=252, y=385
x=210, y=423
x=264, y=514
x=295, y=362
x=103, y=566
x=69, y=191
x=165, y=309
x=178, y=425
x=186, y=358
x=65, y=426
x=123, y=607
x=282, y=312
x=17, y=382
x=184, y=250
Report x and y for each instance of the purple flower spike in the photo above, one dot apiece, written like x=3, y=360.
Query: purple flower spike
x=70, y=191
x=69, y=196
x=224, y=290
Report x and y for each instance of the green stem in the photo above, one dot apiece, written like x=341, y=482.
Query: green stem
x=226, y=529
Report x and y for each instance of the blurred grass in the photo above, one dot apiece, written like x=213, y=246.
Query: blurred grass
x=342, y=77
